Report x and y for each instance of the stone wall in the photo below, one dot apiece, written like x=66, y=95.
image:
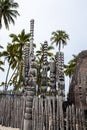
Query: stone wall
x=78, y=85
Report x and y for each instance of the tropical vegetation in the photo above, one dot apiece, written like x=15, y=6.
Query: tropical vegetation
x=69, y=68
x=39, y=60
x=14, y=56
x=60, y=38
x=8, y=12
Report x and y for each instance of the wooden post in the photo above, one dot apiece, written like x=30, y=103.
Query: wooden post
x=30, y=84
x=44, y=71
x=53, y=78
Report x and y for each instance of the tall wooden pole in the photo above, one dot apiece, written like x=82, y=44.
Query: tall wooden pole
x=53, y=78
x=31, y=84
x=60, y=74
x=44, y=71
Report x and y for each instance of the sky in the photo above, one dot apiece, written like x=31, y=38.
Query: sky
x=49, y=16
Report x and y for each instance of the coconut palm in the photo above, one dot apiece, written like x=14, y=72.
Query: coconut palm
x=8, y=12
x=10, y=56
x=14, y=57
x=60, y=38
x=70, y=67
x=20, y=40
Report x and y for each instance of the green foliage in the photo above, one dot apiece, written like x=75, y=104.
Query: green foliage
x=14, y=56
x=70, y=67
x=8, y=12
x=60, y=38
x=39, y=60
x=20, y=38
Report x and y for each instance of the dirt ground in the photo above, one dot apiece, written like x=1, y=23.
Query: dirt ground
x=7, y=128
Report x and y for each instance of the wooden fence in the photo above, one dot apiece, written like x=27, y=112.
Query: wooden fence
x=47, y=113
x=11, y=110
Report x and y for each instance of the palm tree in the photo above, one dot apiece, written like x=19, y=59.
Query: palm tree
x=8, y=12
x=14, y=57
x=60, y=38
x=19, y=40
x=10, y=56
x=70, y=67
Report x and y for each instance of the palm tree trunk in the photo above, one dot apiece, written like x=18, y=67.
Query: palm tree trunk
x=6, y=85
x=12, y=75
x=59, y=45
